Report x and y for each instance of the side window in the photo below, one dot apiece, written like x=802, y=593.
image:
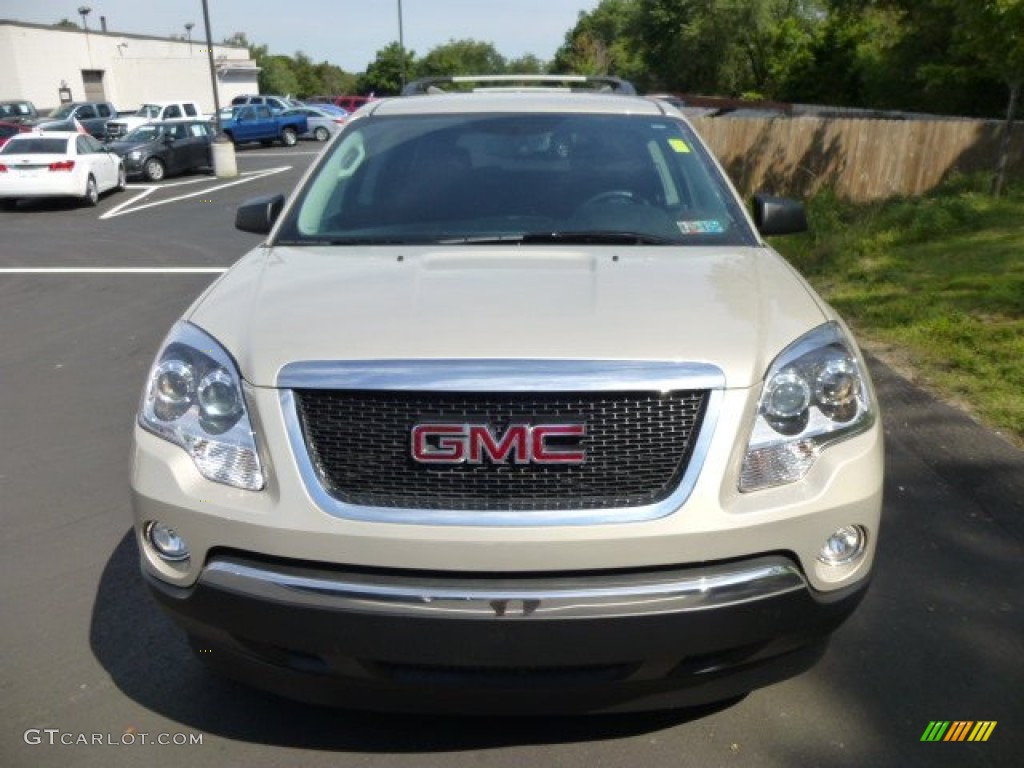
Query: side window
x=86, y=112
x=104, y=110
x=82, y=145
x=190, y=110
x=172, y=112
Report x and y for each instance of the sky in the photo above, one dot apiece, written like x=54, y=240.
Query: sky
x=343, y=32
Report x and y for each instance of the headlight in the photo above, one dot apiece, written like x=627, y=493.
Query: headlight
x=193, y=398
x=815, y=393
x=135, y=155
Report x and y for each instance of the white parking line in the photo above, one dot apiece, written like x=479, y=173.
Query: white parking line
x=124, y=208
x=112, y=270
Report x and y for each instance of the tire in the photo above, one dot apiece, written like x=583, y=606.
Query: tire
x=153, y=169
x=288, y=137
x=266, y=143
x=122, y=179
x=92, y=193
x=322, y=134
x=9, y=203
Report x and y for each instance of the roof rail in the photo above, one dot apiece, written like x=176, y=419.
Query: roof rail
x=578, y=83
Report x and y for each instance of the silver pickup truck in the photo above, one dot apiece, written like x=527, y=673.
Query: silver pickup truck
x=151, y=112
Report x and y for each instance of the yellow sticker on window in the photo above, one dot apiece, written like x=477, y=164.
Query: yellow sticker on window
x=679, y=145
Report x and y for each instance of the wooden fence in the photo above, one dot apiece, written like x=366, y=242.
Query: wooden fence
x=860, y=159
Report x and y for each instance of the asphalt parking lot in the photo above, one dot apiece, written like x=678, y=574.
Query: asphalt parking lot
x=86, y=296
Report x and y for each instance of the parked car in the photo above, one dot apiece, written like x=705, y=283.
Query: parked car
x=352, y=103
x=321, y=123
x=147, y=113
x=276, y=104
x=513, y=409
x=10, y=129
x=158, y=149
x=18, y=111
x=255, y=122
x=91, y=115
x=36, y=165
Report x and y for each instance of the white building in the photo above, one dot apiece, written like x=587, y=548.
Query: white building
x=48, y=65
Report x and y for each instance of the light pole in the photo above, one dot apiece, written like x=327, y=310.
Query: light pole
x=401, y=45
x=84, y=11
x=188, y=31
x=222, y=149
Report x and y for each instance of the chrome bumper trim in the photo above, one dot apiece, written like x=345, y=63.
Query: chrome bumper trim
x=705, y=588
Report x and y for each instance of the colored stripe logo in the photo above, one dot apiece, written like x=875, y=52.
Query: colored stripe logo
x=958, y=730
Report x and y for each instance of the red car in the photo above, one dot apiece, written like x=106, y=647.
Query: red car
x=9, y=129
x=352, y=103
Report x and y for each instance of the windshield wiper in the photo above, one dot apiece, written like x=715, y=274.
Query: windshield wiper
x=347, y=241
x=585, y=237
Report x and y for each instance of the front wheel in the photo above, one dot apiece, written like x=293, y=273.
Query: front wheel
x=153, y=169
x=92, y=193
x=322, y=134
x=122, y=179
x=289, y=138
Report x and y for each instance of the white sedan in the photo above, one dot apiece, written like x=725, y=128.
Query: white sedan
x=57, y=165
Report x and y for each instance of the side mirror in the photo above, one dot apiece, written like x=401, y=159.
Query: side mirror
x=779, y=215
x=259, y=214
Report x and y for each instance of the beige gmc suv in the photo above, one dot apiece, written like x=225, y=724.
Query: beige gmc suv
x=514, y=410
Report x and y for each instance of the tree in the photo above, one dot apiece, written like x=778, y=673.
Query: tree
x=462, y=57
x=277, y=76
x=66, y=23
x=527, y=64
x=993, y=31
x=384, y=74
x=604, y=42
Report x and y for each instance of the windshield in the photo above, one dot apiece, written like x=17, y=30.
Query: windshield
x=143, y=133
x=15, y=109
x=62, y=113
x=517, y=179
x=148, y=110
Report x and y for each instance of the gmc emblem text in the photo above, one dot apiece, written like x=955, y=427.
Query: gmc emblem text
x=440, y=443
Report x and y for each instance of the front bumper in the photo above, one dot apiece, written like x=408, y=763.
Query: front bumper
x=596, y=642
x=133, y=166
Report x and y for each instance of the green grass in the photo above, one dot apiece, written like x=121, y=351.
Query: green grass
x=940, y=279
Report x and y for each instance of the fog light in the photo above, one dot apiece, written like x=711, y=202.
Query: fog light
x=166, y=541
x=843, y=546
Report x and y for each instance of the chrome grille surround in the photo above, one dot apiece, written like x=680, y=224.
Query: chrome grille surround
x=499, y=377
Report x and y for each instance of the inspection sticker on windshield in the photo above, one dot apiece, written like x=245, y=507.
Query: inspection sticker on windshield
x=679, y=145
x=711, y=227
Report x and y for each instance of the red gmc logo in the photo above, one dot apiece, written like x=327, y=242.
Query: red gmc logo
x=445, y=443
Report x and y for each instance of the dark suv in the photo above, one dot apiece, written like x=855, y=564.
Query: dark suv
x=91, y=115
x=157, y=149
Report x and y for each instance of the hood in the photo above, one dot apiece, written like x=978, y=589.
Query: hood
x=735, y=308
x=123, y=147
